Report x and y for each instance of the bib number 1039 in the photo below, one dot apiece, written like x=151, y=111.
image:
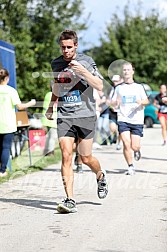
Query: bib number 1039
x=72, y=98
x=69, y=99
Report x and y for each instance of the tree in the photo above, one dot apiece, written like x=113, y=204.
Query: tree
x=140, y=40
x=33, y=28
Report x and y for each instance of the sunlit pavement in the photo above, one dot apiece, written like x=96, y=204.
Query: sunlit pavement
x=132, y=218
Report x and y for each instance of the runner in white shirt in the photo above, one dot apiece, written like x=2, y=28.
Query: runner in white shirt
x=130, y=97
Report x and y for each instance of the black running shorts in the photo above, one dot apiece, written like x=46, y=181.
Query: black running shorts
x=135, y=129
x=83, y=128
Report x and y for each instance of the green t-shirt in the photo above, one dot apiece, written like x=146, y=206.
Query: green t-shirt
x=8, y=99
x=44, y=120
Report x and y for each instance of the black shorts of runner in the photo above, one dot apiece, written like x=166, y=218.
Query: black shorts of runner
x=135, y=129
x=112, y=116
x=83, y=128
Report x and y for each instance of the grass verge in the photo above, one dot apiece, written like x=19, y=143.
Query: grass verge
x=30, y=162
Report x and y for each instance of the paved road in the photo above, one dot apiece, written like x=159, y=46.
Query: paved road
x=133, y=218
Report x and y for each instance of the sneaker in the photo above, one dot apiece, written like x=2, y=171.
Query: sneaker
x=79, y=168
x=104, y=142
x=130, y=171
x=3, y=174
x=137, y=155
x=67, y=206
x=96, y=146
x=102, y=189
x=164, y=143
x=51, y=153
x=118, y=147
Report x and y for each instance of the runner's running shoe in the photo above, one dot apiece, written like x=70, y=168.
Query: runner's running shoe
x=67, y=206
x=102, y=189
x=137, y=155
x=79, y=168
x=164, y=143
x=118, y=147
x=130, y=171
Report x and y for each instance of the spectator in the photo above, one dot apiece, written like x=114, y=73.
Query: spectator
x=9, y=98
x=50, y=126
x=96, y=96
x=116, y=79
x=103, y=120
x=159, y=102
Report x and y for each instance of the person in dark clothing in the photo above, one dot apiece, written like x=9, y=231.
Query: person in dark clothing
x=159, y=102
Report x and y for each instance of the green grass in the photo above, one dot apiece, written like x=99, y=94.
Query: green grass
x=24, y=164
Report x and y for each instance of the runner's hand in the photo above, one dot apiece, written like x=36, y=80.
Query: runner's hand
x=77, y=67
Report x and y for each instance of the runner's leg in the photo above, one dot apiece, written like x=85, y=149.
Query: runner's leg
x=85, y=151
x=126, y=139
x=66, y=146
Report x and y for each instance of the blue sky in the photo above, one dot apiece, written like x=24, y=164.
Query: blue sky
x=102, y=11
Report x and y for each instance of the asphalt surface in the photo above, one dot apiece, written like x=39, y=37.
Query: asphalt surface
x=133, y=217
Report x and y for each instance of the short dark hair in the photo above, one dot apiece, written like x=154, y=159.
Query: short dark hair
x=162, y=84
x=3, y=74
x=68, y=34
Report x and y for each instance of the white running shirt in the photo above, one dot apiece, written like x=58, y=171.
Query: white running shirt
x=129, y=110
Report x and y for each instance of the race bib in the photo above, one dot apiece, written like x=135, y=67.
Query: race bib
x=129, y=99
x=71, y=99
x=163, y=109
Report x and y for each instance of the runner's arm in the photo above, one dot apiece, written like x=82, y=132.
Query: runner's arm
x=22, y=106
x=93, y=80
x=49, y=112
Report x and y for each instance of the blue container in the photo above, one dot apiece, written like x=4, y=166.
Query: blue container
x=8, y=61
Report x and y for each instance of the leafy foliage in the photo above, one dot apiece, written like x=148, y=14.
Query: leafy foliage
x=33, y=28
x=139, y=40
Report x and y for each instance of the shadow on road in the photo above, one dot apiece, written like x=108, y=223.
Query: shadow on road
x=31, y=203
x=109, y=250
x=117, y=171
x=152, y=158
x=41, y=203
x=88, y=203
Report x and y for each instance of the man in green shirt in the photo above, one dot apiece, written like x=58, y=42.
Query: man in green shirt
x=50, y=126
